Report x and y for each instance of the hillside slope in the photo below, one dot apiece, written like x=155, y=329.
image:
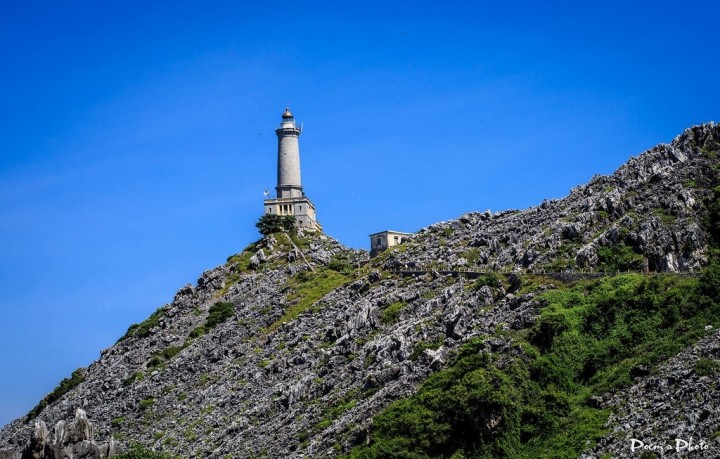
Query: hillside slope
x=294, y=345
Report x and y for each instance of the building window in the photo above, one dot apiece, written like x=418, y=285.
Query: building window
x=396, y=239
x=378, y=242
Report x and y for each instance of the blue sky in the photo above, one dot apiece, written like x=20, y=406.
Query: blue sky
x=137, y=137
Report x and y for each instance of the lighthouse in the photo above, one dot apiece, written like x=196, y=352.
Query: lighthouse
x=291, y=199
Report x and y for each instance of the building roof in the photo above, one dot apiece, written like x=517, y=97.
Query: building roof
x=287, y=113
x=390, y=232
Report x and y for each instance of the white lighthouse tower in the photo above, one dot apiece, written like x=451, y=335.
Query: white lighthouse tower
x=291, y=199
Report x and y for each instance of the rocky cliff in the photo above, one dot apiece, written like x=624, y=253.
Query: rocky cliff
x=295, y=344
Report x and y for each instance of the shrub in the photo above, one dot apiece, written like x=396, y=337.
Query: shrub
x=619, y=257
x=273, y=223
x=391, y=314
x=339, y=264
x=490, y=279
x=137, y=376
x=145, y=404
x=219, y=313
x=142, y=329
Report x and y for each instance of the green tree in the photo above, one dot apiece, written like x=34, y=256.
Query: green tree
x=273, y=223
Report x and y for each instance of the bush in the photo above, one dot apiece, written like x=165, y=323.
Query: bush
x=142, y=329
x=619, y=257
x=490, y=279
x=546, y=329
x=391, y=314
x=219, y=313
x=273, y=223
x=146, y=403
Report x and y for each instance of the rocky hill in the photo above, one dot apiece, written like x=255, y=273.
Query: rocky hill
x=295, y=345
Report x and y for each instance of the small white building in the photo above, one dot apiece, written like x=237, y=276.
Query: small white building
x=385, y=239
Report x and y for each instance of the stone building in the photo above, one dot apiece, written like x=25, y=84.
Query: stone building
x=291, y=199
x=385, y=239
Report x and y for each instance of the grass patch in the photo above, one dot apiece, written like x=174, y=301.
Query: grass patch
x=117, y=422
x=308, y=288
x=130, y=380
x=160, y=358
x=391, y=314
x=146, y=403
x=218, y=313
x=665, y=217
x=706, y=367
x=422, y=345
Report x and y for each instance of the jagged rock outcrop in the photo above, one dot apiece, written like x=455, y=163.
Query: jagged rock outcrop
x=291, y=347
x=73, y=440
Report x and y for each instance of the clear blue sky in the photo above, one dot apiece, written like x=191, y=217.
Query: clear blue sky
x=137, y=137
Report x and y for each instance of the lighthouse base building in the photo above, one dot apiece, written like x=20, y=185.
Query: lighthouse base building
x=301, y=208
x=291, y=199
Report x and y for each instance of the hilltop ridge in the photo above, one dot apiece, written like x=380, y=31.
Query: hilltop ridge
x=279, y=353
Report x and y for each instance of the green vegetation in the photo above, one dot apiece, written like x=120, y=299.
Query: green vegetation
x=160, y=358
x=491, y=279
x=67, y=384
x=619, y=257
x=340, y=263
x=588, y=339
x=238, y=263
x=391, y=314
x=564, y=258
x=142, y=329
x=170, y=352
x=146, y=403
x=137, y=451
x=665, y=217
x=307, y=289
x=472, y=255
x=217, y=314
x=137, y=376
x=117, y=422
x=712, y=154
x=273, y=223
x=422, y=345
x=706, y=367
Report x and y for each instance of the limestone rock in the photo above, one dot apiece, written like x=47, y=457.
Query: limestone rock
x=296, y=379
